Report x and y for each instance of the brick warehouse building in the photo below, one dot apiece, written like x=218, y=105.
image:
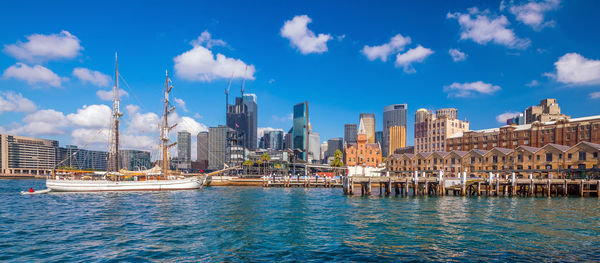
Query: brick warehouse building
x=362, y=153
x=566, y=132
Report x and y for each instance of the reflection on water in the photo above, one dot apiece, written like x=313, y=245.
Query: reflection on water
x=256, y=224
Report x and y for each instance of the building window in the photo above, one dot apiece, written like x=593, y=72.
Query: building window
x=538, y=157
x=596, y=155
x=548, y=157
x=569, y=156
x=560, y=156
x=582, y=156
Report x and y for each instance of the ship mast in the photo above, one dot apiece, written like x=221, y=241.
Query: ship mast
x=113, y=165
x=165, y=128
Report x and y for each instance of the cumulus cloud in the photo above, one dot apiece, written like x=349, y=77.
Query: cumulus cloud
x=296, y=30
x=141, y=123
x=533, y=13
x=34, y=76
x=482, y=27
x=382, y=52
x=470, y=89
x=200, y=64
x=574, y=69
x=413, y=55
x=595, y=95
x=457, y=55
x=93, y=77
x=180, y=103
x=42, y=122
x=15, y=102
x=205, y=39
x=505, y=116
x=533, y=83
x=188, y=124
x=92, y=116
x=108, y=94
x=40, y=48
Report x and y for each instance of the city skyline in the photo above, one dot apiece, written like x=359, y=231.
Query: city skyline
x=354, y=63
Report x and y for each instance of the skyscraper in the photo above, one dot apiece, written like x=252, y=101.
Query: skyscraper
x=242, y=117
x=217, y=147
x=379, y=137
x=275, y=139
x=397, y=138
x=135, y=160
x=314, y=146
x=184, y=147
x=368, y=120
x=300, y=129
x=393, y=115
x=333, y=145
x=432, y=131
x=350, y=132
x=202, y=149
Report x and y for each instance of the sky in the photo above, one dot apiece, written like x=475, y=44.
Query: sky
x=488, y=59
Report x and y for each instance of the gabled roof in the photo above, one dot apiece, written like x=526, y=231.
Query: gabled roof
x=589, y=144
x=504, y=151
x=479, y=152
x=395, y=155
x=442, y=154
x=459, y=153
x=559, y=147
x=408, y=155
x=425, y=154
x=529, y=148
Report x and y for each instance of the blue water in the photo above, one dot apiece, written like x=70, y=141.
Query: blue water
x=274, y=224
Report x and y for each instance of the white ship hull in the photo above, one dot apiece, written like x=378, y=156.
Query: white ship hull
x=105, y=185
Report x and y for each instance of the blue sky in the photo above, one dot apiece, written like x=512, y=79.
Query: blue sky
x=509, y=55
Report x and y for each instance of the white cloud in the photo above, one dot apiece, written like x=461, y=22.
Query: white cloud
x=91, y=76
x=382, y=52
x=188, y=124
x=457, y=55
x=36, y=75
x=595, y=95
x=181, y=104
x=15, y=102
x=90, y=137
x=260, y=131
x=533, y=83
x=42, y=122
x=206, y=40
x=413, y=55
x=296, y=30
x=40, y=48
x=92, y=116
x=482, y=27
x=108, y=94
x=199, y=64
x=470, y=89
x=141, y=123
x=533, y=13
x=505, y=116
x=285, y=118
x=574, y=69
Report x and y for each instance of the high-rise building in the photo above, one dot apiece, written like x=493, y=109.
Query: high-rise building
x=516, y=120
x=379, y=137
x=135, y=160
x=314, y=146
x=217, y=147
x=184, y=147
x=202, y=149
x=350, y=132
x=393, y=115
x=324, y=147
x=287, y=140
x=252, y=106
x=547, y=110
x=71, y=156
x=25, y=155
x=242, y=118
x=397, y=138
x=431, y=132
x=368, y=120
x=273, y=140
x=333, y=145
x=300, y=129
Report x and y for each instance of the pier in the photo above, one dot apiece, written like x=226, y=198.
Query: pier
x=305, y=181
x=493, y=185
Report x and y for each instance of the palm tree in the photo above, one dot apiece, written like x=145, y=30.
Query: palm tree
x=259, y=163
x=265, y=158
x=337, y=160
x=248, y=164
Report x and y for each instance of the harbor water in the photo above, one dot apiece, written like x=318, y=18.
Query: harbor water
x=293, y=224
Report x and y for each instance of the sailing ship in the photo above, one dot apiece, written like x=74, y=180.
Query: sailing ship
x=115, y=179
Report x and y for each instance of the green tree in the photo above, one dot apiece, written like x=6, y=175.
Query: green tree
x=265, y=158
x=337, y=161
x=248, y=164
x=259, y=163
